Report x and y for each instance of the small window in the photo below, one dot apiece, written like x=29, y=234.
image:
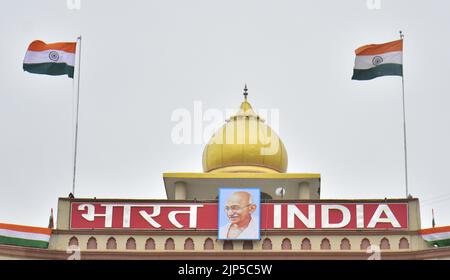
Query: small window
x=286, y=244
x=209, y=244
x=345, y=244
x=92, y=243
x=403, y=244
x=111, y=244
x=150, y=244
x=267, y=244
x=384, y=244
x=248, y=245
x=169, y=245
x=365, y=243
x=228, y=245
x=306, y=244
x=189, y=244
x=73, y=242
x=131, y=244
x=325, y=244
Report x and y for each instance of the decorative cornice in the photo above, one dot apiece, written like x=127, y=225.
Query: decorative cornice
x=32, y=253
x=393, y=200
x=184, y=175
x=264, y=233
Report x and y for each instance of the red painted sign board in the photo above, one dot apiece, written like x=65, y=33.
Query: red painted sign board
x=204, y=216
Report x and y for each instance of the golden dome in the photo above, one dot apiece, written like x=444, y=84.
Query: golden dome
x=245, y=144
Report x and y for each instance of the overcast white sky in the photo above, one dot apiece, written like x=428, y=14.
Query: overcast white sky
x=141, y=60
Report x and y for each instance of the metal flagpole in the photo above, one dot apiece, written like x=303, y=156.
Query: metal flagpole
x=404, y=125
x=76, y=123
x=433, y=222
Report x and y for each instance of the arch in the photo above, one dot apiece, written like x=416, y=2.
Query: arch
x=247, y=245
x=286, y=244
x=131, y=244
x=267, y=244
x=228, y=245
x=209, y=244
x=170, y=244
x=365, y=243
x=345, y=244
x=265, y=196
x=111, y=244
x=384, y=244
x=92, y=243
x=404, y=243
x=306, y=244
x=73, y=241
x=150, y=244
x=325, y=244
x=189, y=244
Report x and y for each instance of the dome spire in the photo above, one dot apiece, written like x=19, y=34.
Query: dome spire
x=245, y=92
x=246, y=110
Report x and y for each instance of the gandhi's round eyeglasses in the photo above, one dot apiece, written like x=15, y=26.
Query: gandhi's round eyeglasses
x=235, y=207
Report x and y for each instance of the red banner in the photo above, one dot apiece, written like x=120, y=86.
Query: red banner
x=204, y=216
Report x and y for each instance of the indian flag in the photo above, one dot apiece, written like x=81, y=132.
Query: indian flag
x=378, y=60
x=50, y=59
x=439, y=236
x=24, y=236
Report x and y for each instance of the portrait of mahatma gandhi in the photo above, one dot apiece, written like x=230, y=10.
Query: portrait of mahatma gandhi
x=239, y=209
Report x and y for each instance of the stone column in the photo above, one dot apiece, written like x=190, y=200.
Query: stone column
x=304, y=190
x=63, y=214
x=180, y=190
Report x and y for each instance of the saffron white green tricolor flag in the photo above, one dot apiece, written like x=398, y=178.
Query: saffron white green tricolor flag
x=378, y=60
x=50, y=59
x=439, y=236
x=24, y=236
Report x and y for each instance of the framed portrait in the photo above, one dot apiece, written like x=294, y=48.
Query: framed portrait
x=239, y=213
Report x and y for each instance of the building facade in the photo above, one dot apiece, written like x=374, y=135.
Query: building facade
x=295, y=222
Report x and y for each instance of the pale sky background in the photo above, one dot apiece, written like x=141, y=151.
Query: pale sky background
x=141, y=60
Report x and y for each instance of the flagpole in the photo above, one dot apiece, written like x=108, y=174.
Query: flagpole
x=433, y=222
x=404, y=126
x=76, y=122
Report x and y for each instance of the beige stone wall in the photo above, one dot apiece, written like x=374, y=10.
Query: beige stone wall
x=60, y=242
x=6, y=258
x=440, y=258
x=63, y=217
x=414, y=215
x=200, y=186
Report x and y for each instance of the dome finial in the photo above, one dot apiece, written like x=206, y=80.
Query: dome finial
x=245, y=92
